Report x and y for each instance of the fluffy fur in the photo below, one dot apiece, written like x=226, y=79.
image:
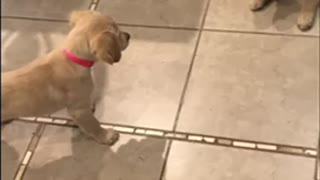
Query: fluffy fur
x=53, y=82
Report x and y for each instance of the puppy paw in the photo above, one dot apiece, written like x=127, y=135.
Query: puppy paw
x=256, y=5
x=108, y=137
x=305, y=22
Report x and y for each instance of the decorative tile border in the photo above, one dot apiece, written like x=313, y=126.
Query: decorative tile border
x=30, y=150
x=189, y=137
x=94, y=5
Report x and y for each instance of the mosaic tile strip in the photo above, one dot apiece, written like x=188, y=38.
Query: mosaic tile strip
x=190, y=137
x=31, y=147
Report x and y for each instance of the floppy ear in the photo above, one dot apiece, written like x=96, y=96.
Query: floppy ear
x=75, y=16
x=105, y=47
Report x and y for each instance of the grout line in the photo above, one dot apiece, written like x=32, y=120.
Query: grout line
x=165, y=160
x=192, y=138
x=172, y=27
x=34, y=19
x=185, y=86
x=159, y=27
x=260, y=33
x=29, y=151
x=181, y=101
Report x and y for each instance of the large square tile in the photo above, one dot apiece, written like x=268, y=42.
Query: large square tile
x=64, y=153
x=15, y=138
x=22, y=41
x=177, y=13
x=58, y=9
x=256, y=87
x=144, y=88
x=278, y=17
x=195, y=162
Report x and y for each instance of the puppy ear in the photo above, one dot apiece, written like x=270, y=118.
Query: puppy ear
x=105, y=47
x=75, y=16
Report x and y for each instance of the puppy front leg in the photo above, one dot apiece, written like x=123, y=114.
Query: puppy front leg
x=307, y=14
x=257, y=4
x=85, y=119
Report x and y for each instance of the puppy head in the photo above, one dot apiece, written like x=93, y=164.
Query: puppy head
x=106, y=41
x=107, y=45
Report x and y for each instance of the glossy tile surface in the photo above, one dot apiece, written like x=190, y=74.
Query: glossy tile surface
x=22, y=41
x=15, y=138
x=202, y=162
x=254, y=76
x=144, y=88
x=57, y=10
x=257, y=87
x=176, y=13
x=65, y=153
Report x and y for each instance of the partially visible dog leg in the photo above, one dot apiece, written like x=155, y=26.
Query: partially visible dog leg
x=85, y=119
x=257, y=4
x=307, y=14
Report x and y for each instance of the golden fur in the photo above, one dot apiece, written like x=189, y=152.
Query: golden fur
x=53, y=82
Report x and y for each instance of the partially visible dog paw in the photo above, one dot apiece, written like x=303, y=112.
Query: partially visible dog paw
x=305, y=21
x=256, y=5
x=108, y=137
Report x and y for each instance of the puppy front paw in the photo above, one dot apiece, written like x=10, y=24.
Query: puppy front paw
x=305, y=21
x=108, y=137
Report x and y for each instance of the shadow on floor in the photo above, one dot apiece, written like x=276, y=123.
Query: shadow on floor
x=135, y=160
x=9, y=161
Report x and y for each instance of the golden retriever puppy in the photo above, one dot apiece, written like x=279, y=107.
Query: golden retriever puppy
x=306, y=16
x=62, y=78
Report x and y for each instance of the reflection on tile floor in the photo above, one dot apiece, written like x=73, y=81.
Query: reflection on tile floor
x=15, y=138
x=255, y=77
x=57, y=10
x=226, y=163
x=254, y=88
x=65, y=152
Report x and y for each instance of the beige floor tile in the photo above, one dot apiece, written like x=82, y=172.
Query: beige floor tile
x=194, y=162
x=15, y=138
x=58, y=9
x=177, y=13
x=22, y=41
x=278, y=17
x=256, y=87
x=64, y=153
x=144, y=88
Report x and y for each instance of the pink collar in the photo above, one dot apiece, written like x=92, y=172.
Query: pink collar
x=75, y=59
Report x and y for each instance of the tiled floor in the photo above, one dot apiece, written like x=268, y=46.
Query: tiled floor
x=206, y=90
